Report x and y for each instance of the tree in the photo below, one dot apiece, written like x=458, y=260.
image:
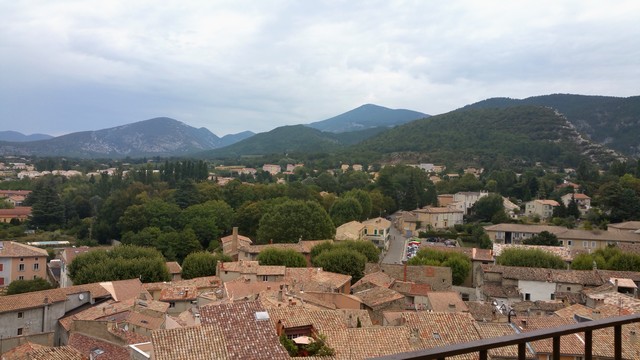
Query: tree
x=47, y=210
x=120, y=263
x=294, y=220
x=459, y=264
x=487, y=206
x=572, y=209
x=366, y=248
x=364, y=199
x=342, y=261
x=24, y=286
x=543, y=238
x=177, y=245
x=281, y=257
x=344, y=210
x=530, y=258
x=585, y=262
x=202, y=263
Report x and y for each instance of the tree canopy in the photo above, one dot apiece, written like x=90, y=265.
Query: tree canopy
x=281, y=257
x=24, y=286
x=543, y=238
x=294, y=220
x=201, y=263
x=460, y=264
x=530, y=258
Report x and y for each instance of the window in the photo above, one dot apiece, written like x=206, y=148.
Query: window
x=593, y=244
x=1, y=281
x=569, y=242
x=21, y=259
x=1, y=267
x=19, y=331
x=20, y=315
x=568, y=288
x=172, y=304
x=527, y=296
x=561, y=242
x=553, y=296
x=20, y=277
x=21, y=267
x=585, y=244
x=36, y=267
x=36, y=259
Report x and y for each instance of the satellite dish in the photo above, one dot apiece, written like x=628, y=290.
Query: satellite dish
x=81, y=297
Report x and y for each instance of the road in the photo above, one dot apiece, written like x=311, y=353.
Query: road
x=397, y=247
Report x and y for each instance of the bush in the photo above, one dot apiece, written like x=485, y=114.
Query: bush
x=530, y=258
x=202, y=263
x=460, y=264
x=282, y=257
x=343, y=261
x=24, y=286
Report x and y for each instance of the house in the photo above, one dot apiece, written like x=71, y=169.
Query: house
x=582, y=200
x=291, y=167
x=377, y=231
x=356, y=167
x=353, y=230
x=445, y=200
x=20, y=213
x=316, y=279
x=250, y=270
x=541, y=208
x=437, y=277
x=271, y=169
x=439, y=217
x=231, y=243
x=21, y=262
x=408, y=223
x=445, y=301
x=468, y=198
x=175, y=270
x=204, y=285
x=250, y=252
x=378, y=299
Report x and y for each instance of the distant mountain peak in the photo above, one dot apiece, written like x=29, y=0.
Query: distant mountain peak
x=367, y=116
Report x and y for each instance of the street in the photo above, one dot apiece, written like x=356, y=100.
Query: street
x=397, y=247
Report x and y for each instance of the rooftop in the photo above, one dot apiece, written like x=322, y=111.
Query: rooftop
x=16, y=249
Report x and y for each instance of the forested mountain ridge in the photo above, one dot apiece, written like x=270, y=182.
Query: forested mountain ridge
x=153, y=137
x=612, y=121
x=20, y=137
x=366, y=117
x=490, y=137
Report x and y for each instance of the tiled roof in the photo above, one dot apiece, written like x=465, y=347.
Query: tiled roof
x=482, y=311
x=322, y=320
x=377, y=278
x=493, y=330
x=314, y=279
x=190, y=343
x=601, y=312
x=349, y=231
x=583, y=277
x=369, y=342
x=569, y=344
x=179, y=293
x=17, y=211
x=608, y=274
x=411, y=288
x=378, y=222
x=482, y=254
x=174, y=267
x=494, y=290
x=238, y=288
x=627, y=225
x=101, y=350
x=377, y=296
x=124, y=289
x=252, y=267
x=68, y=254
x=202, y=283
x=49, y=353
x=530, y=307
x=128, y=337
x=443, y=301
x=145, y=321
x=22, y=351
x=522, y=228
x=245, y=336
x=38, y=298
x=438, y=210
x=15, y=249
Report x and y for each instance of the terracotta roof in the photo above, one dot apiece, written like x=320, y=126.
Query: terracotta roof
x=438, y=210
x=494, y=290
x=411, y=288
x=239, y=288
x=241, y=238
x=37, y=298
x=179, y=293
x=322, y=320
x=46, y=353
x=124, y=289
x=17, y=211
x=608, y=274
x=100, y=349
x=493, y=330
x=252, y=267
x=482, y=311
x=582, y=277
x=349, y=231
x=377, y=296
x=533, y=229
x=21, y=351
x=377, y=278
x=128, y=337
x=601, y=312
x=314, y=279
x=245, y=336
x=378, y=222
x=627, y=225
x=68, y=254
x=369, y=342
x=482, y=254
x=174, y=267
x=529, y=308
x=569, y=344
x=190, y=343
x=202, y=283
x=599, y=235
x=446, y=301
x=15, y=249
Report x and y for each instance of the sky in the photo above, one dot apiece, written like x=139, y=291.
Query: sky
x=231, y=66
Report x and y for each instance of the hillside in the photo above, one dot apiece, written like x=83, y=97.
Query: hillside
x=154, y=137
x=366, y=117
x=504, y=136
x=20, y=137
x=613, y=121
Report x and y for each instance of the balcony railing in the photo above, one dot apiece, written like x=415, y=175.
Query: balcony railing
x=483, y=346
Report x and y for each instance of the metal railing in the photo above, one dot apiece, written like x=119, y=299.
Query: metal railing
x=483, y=346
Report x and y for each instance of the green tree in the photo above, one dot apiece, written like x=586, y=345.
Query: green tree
x=47, y=210
x=208, y=220
x=24, y=286
x=364, y=199
x=120, y=263
x=530, y=258
x=459, y=264
x=342, y=261
x=177, y=245
x=294, y=220
x=585, y=262
x=487, y=206
x=344, y=210
x=543, y=238
x=366, y=248
x=282, y=257
x=201, y=264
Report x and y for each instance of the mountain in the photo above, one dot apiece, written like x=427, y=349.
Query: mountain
x=613, y=121
x=493, y=136
x=20, y=137
x=366, y=117
x=154, y=137
x=234, y=138
x=284, y=139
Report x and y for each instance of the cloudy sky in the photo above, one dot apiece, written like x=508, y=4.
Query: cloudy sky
x=230, y=66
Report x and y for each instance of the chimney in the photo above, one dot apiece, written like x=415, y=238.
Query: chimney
x=234, y=240
x=595, y=314
x=616, y=284
x=414, y=336
x=281, y=293
x=452, y=307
